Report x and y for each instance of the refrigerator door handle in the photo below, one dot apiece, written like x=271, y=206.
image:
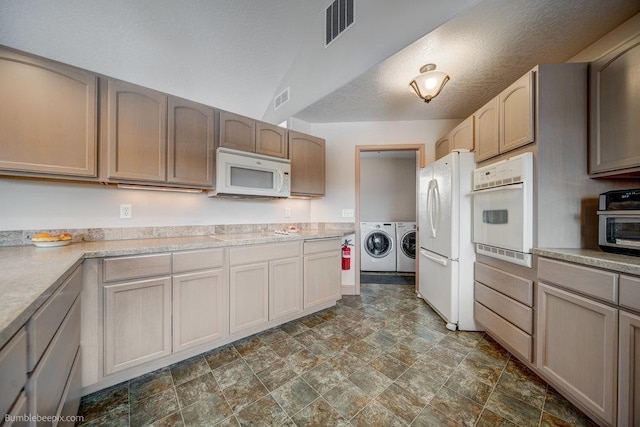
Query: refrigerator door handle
x=440, y=261
x=436, y=222
x=431, y=194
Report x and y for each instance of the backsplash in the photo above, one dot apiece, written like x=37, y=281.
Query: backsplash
x=23, y=237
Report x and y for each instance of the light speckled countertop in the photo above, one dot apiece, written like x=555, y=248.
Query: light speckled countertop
x=30, y=275
x=594, y=258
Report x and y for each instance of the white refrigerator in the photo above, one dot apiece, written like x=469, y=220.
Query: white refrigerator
x=447, y=254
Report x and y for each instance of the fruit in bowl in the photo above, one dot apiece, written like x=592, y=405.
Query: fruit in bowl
x=48, y=237
x=292, y=229
x=48, y=240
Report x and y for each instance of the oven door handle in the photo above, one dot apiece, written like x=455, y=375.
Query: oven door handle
x=501, y=188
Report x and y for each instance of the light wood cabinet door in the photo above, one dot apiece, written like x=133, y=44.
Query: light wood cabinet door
x=285, y=287
x=248, y=296
x=614, y=109
x=322, y=278
x=200, y=308
x=486, y=131
x=629, y=370
x=307, y=155
x=136, y=128
x=577, y=348
x=461, y=137
x=237, y=132
x=190, y=143
x=48, y=117
x=516, y=113
x=271, y=140
x=137, y=323
x=443, y=147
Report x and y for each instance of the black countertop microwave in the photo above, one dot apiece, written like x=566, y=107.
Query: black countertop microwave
x=619, y=222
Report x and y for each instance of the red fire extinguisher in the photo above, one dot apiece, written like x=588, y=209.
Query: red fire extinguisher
x=346, y=255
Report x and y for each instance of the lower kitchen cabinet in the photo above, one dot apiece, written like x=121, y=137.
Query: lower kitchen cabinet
x=322, y=275
x=248, y=296
x=629, y=370
x=504, y=306
x=13, y=373
x=577, y=348
x=285, y=290
x=264, y=284
x=137, y=327
x=200, y=308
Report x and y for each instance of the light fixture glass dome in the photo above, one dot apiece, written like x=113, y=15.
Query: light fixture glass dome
x=429, y=83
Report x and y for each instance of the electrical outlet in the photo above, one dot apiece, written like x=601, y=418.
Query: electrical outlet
x=347, y=213
x=125, y=212
x=287, y=212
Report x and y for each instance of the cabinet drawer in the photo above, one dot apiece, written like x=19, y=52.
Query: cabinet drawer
x=518, y=314
x=518, y=341
x=70, y=401
x=19, y=409
x=630, y=292
x=321, y=245
x=588, y=281
x=44, y=324
x=133, y=267
x=265, y=252
x=515, y=287
x=198, y=260
x=47, y=384
x=13, y=369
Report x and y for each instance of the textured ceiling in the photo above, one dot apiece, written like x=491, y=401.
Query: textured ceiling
x=483, y=50
x=239, y=54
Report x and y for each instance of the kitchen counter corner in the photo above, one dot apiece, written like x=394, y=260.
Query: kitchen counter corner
x=594, y=258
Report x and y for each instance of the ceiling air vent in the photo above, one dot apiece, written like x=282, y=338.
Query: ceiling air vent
x=339, y=17
x=281, y=99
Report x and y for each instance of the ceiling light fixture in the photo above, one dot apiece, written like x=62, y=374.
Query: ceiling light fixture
x=429, y=83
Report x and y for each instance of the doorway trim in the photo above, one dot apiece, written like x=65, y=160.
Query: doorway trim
x=385, y=147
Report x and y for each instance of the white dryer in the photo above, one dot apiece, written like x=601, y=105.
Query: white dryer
x=406, y=247
x=378, y=246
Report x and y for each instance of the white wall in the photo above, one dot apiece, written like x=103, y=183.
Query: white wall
x=387, y=188
x=342, y=139
x=28, y=205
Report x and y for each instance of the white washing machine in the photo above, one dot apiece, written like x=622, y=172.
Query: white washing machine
x=378, y=246
x=406, y=247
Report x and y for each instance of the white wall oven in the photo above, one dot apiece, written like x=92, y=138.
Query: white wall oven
x=503, y=209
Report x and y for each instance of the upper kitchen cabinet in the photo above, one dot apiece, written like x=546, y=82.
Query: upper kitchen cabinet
x=460, y=138
x=135, y=132
x=516, y=113
x=307, y=155
x=271, y=140
x=507, y=121
x=48, y=118
x=443, y=146
x=614, y=109
x=152, y=137
x=487, y=131
x=246, y=134
x=190, y=143
x=237, y=132
x=462, y=135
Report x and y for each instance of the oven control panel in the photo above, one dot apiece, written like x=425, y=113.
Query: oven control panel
x=505, y=172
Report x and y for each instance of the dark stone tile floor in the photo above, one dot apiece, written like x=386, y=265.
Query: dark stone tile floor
x=383, y=358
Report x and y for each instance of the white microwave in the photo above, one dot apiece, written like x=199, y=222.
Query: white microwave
x=244, y=174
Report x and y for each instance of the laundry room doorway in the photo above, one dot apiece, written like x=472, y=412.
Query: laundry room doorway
x=385, y=200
